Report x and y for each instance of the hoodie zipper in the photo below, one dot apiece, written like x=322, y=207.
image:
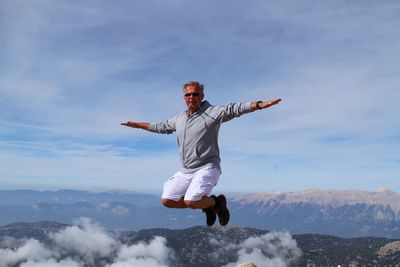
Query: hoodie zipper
x=184, y=133
x=184, y=140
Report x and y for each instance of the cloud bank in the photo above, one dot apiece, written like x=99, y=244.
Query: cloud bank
x=274, y=249
x=87, y=242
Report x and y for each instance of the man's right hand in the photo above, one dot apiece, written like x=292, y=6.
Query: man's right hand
x=130, y=124
x=141, y=125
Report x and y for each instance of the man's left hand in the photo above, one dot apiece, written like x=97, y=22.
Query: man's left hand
x=266, y=104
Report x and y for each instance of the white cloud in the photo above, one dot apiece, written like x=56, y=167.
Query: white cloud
x=277, y=249
x=52, y=263
x=120, y=210
x=154, y=254
x=85, y=238
x=72, y=73
x=86, y=164
x=31, y=250
x=88, y=242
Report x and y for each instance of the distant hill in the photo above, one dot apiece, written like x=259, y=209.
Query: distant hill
x=195, y=246
x=349, y=213
x=33, y=197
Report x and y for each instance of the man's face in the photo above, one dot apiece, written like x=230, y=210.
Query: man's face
x=192, y=96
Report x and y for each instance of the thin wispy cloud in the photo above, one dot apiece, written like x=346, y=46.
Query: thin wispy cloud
x=71, y=73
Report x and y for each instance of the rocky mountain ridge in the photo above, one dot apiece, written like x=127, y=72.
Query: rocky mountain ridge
x=333, y=198
x=348, y=213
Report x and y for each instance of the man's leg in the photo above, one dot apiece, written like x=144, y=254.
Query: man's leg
x=212, y=206
x=207, y=205
x=196, y=188
x=222, y=210
x=174, y=190
x=196, y=197
x=205, y=202
x=169, y=203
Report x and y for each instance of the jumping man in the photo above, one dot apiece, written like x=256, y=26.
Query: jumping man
x=197, y=134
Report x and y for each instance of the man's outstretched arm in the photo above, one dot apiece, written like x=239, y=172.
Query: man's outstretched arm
x=166, y=127
x=264, y=104
x=140, y=125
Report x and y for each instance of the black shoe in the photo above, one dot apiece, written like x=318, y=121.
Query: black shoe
x=221, y=210
x=210, y=213
x=211, y=216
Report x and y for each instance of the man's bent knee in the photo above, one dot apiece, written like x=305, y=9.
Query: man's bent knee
x=192, y=204
x=169, y=203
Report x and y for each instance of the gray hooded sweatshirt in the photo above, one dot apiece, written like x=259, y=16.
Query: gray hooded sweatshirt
x=197, y=135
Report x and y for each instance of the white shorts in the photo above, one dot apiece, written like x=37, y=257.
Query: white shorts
x=192, y=186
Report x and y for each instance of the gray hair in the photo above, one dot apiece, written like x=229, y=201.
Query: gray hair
x=196, y=84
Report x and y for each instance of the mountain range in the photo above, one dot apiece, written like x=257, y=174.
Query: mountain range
x=349, y=213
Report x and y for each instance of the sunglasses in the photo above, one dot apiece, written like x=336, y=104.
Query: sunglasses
x=191, y=94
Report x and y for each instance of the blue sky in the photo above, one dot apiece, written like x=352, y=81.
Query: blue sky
x=71, y=71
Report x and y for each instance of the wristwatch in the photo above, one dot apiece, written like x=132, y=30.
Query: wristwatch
x=258, y=104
